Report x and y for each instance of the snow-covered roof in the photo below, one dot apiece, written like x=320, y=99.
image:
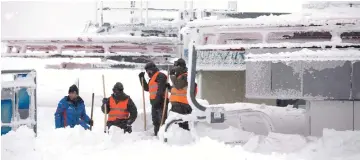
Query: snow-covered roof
x=307, y=55
x=27, y=81
x=308, y=16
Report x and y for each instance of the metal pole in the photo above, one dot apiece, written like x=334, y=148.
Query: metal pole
x=141, y=12
x=96, y=13
x=146, y=13
x=102, y=15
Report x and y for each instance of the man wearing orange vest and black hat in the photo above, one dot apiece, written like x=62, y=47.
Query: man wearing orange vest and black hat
x=156, y=88
x=178, y=98
x=121, y=109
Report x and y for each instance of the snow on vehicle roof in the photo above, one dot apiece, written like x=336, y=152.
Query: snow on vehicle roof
x=328, y=16
x=307, y=55
x=271, y=45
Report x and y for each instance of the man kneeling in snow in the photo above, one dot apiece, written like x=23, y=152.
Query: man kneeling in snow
x=71, y=111
x=121, y=109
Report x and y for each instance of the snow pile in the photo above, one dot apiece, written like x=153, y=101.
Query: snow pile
x=334, y=145
x=276, y=142
x=19, y=144
x=285, y=120
x=78, y=143
x=307, y=55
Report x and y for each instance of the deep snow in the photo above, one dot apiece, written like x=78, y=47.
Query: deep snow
x=80, y=144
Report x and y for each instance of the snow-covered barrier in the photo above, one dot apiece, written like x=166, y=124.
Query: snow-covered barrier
x=18, y=100
x=90, y=46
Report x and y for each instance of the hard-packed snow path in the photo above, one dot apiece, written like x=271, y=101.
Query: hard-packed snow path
x=80, y=144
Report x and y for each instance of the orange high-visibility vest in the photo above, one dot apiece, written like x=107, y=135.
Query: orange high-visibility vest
x=153, y=86
x=179, y=95
x=118, y=110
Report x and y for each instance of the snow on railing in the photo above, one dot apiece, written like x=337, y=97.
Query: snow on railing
x=96, y=38
x=274, y=45
x=81, y=54
x=220, y=60
x=96, y=44
x=307, y=55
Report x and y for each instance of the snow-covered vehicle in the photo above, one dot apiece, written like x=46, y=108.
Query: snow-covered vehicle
x=326, y=33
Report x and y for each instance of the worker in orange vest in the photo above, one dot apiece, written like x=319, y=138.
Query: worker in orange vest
x=178, y=98
x=121, y=110
x=156, y=88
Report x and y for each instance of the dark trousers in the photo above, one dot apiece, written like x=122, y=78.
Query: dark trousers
x=121, y=123
x=183, y=109
x=156, y=115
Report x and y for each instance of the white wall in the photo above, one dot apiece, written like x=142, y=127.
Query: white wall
x=357, y=115
x=338, y=115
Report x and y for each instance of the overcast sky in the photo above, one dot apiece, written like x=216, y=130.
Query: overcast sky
x=46, y=18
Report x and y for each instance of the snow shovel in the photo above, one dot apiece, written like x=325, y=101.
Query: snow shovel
x=143, y=96
x=105, y=109
x=166, y=95
x=92, y=109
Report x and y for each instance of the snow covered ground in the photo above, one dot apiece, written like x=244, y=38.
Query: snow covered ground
x=80, y=144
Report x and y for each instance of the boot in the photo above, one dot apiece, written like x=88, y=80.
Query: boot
x=156, y=130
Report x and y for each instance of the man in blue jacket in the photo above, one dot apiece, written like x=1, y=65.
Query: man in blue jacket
x=71, y=111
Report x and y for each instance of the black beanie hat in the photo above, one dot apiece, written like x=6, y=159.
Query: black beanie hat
x=118, y=87
x=150, y=66
x=73, y=88
x=180, y=62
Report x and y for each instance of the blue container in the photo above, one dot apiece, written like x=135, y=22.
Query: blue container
x=24, y=98
x=6, y=114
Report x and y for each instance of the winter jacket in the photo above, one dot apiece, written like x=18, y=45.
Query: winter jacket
x=71, y=113
x=161, y=81
x=179, y=83
x=131, y=108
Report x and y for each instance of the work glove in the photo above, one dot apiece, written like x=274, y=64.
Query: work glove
x=91, y=122
x=141, y=74
x=105, y=100
x=128, y=129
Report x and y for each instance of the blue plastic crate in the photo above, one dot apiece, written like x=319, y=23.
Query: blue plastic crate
x=6, y=114
x=24, y=98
